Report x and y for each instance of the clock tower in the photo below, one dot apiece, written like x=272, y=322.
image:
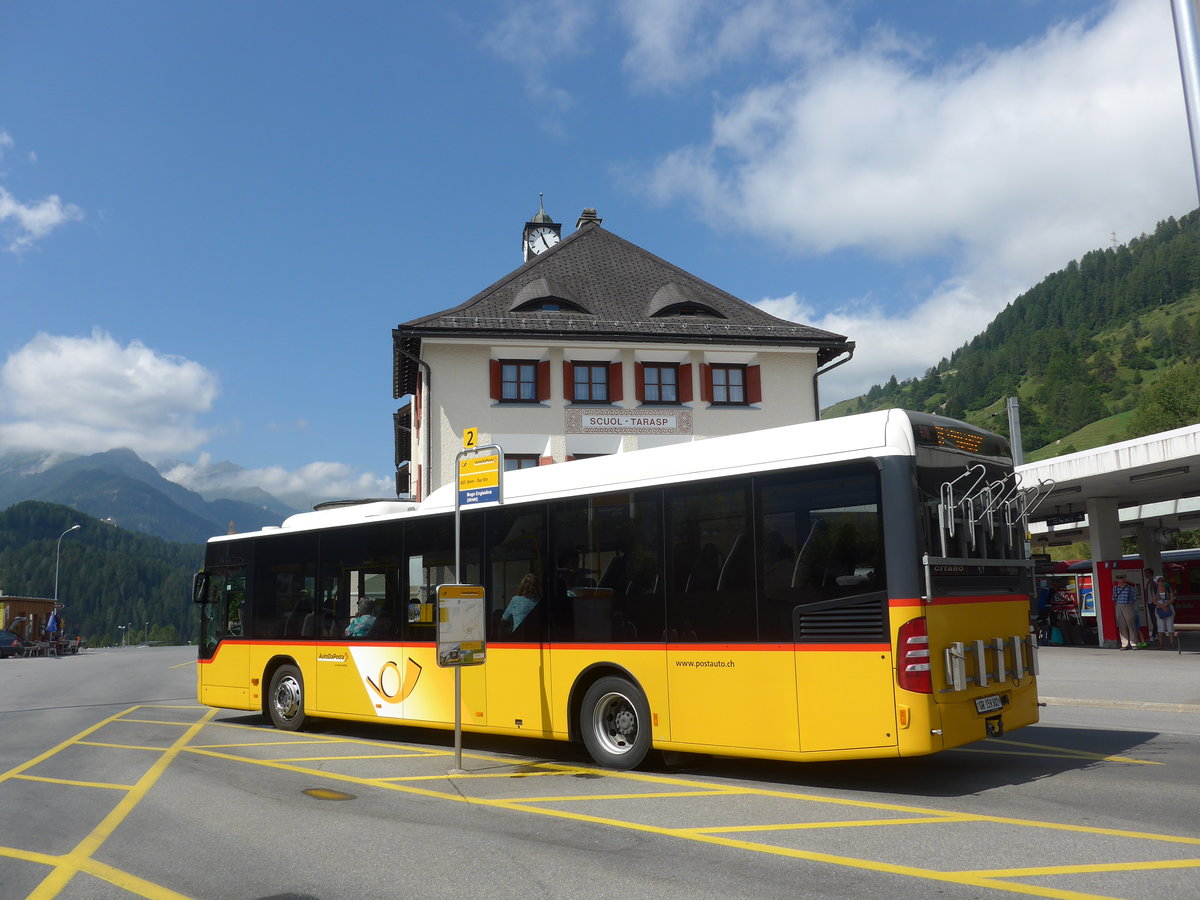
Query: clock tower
x=540, y=233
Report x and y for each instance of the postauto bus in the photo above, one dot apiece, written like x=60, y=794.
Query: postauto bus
x=852, y=588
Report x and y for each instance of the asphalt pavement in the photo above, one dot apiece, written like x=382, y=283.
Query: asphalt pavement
x=1151, y=679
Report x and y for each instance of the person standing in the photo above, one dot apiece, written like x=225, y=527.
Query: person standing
x=1151, y=618
x=1162, y=596
x=52, y=630
x=1124, y=596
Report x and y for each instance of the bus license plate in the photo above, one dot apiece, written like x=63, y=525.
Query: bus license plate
x=988, y=704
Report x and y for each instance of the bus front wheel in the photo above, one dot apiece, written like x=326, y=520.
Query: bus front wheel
x=615, y=723
x=285, y=700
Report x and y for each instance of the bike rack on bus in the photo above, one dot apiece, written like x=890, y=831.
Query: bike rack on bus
x=987, y=651
x=983, y=508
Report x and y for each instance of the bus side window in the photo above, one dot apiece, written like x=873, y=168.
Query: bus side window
x=516, y=588
x=708, y=532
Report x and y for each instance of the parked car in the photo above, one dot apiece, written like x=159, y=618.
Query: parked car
x=10, y=645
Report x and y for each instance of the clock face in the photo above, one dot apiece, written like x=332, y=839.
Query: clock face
x=541, y=239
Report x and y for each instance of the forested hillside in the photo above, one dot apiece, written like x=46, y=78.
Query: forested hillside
x=107, y=576
x=1116, y=333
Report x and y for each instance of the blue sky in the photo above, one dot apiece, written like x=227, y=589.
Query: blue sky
x=213, y=214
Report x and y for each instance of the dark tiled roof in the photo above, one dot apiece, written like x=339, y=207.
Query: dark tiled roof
x=622, y=291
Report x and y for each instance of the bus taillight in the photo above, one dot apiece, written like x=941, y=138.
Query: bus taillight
x=912, y=668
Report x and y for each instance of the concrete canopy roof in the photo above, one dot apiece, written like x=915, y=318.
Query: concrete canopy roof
x=1155, y=481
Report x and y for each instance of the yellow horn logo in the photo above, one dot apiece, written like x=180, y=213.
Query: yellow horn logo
x=403, y=686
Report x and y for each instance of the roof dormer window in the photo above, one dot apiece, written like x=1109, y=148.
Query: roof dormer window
x=674, y=300
x=549, y=304
x=545, y=295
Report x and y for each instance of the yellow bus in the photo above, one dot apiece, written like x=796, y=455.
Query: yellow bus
x=852, y=588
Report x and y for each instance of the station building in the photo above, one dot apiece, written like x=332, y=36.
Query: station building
x=25, y=616
x=595, y=346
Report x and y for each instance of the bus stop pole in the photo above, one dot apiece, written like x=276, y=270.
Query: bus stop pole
x=458, y=769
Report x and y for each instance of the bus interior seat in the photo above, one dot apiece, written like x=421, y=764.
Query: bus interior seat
x=382, y=627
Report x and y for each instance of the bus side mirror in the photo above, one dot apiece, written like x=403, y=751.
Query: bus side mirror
x=200, y=587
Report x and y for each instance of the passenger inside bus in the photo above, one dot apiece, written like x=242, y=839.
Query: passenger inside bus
x=360, y=625
x=524, y=603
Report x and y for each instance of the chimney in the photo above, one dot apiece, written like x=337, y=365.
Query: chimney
x=588, y=215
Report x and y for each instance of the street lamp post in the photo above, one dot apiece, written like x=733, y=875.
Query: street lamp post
x=58, y=557
x=121, y=628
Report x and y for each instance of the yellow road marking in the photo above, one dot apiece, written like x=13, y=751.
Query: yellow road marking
x=1068, y=753
x=67, y=781
x=574, y=798
x=1088, y=869
x=80, y=858
x=111, y=746
x=364, y=756
x=474, y=776
x=801, y=826
x=986, y=881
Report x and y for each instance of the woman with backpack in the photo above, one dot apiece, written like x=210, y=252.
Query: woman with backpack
x=1162, y=596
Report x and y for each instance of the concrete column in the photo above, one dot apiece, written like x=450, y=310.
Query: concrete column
x=1104, y=534
x=1149, y=549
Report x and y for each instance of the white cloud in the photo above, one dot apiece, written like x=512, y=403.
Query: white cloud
x=533, y=35
x=674, y=42
x=301, y=488
x=24, y=223
x=889, y=344
x=1010, y=164
x=89, y=394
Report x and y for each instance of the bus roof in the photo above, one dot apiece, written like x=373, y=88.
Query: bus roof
x=882, y=433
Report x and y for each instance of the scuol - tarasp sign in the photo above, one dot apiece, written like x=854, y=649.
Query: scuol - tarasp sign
x=624, y=421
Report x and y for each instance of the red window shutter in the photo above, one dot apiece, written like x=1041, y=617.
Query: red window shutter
x=568, y=380
x=683, y=378
x=616, y=384
x=706, y=382
x=543, y=380
x=495, y=389
x=639, y=381
x=753, y=384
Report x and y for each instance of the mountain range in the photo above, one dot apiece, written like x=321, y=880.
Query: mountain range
x=119, y=487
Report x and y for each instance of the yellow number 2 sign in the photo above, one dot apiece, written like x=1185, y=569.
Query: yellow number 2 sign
x=470, y=438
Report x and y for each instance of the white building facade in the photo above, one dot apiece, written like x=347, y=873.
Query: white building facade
x=593, y=347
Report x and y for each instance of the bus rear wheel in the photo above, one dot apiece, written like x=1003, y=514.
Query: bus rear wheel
x=285, y=699
x=615, y=723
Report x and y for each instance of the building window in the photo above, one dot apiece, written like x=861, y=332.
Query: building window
x=518, y=381
x=731, y=385
x=514, y=461
x=660, y=383
x=664, y=382
x=591, y=383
